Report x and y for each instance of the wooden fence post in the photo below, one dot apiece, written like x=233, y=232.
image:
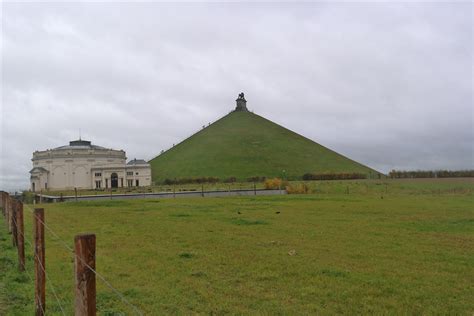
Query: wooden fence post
x=40, y=273
x=84, y=261
x=20, y=236
x=254, y=188
x=14, y=226
x=11, y=223
x=6, y=211
x=9, y=214
x=2, y=197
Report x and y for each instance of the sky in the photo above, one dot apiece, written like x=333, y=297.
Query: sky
x=387, y=84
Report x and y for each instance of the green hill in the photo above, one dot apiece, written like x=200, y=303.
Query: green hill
x=244, y=145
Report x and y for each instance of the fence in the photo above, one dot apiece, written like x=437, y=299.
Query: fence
x=42, y=198
x=84, y=259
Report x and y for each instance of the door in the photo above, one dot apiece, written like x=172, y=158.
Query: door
x=114, y=180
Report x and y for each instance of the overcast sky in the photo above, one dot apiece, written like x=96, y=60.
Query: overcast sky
x=389, y=85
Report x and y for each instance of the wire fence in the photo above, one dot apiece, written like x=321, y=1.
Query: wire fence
x=10, y=209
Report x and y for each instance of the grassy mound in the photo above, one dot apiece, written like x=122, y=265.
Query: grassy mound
x=244, y=145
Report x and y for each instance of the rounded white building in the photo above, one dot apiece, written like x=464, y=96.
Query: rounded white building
x=82, y=165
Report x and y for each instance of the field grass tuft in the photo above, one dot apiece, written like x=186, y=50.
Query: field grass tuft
x=246, y=222
x=186, y=255
x=334, y=273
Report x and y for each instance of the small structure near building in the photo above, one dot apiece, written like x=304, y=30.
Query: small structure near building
x=82, y=165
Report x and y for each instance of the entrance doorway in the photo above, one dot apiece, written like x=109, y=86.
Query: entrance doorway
x=114, y=180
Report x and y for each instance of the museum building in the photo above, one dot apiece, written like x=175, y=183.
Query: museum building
x=82, y=165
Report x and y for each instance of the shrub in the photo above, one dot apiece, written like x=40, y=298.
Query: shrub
x=27, y=197
x=256, y=179
x=169, y=181
x=273, y=184
x=230, y=180
x=301, y=188
x=334, y=176
x=400, y=174
x=191, y=180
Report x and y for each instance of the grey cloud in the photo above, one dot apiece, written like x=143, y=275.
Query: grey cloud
x=387, y=84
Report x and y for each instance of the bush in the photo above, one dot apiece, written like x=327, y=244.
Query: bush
x=230, y=180
x=169, y=181
x=273, y=184
x=297, y=189
x=400, y=174
x=191, y=180
x=27, y=197
x=256, y=179
x=334, y=176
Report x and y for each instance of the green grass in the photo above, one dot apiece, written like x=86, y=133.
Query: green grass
x=160, y=188
x=410, y=252
x=371, y=186
x=243, y=145
x=15, y=287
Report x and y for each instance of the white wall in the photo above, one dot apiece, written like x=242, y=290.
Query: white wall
x=69, y=169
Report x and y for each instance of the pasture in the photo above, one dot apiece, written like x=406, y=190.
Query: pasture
x=396, y=247
x=360, y=186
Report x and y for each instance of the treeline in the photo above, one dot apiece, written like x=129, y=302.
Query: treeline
x=191, y=180
x=401, y=174
x=201, y=180
x=259, y=179
x=334, y=176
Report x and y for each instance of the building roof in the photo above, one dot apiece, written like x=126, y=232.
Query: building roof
x=137, y=162
x=80, y=144
x=38, y=169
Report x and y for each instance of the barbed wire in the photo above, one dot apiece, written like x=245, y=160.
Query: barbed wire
x=26, y=270
x=32, y=281
x=50, y=282
x=101, y=277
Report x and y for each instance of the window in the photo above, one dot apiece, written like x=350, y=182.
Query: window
x=98, y=174
x=106, y=183
x=98, y=184
x=136, y=173
x=46, y=185
x=129, y=183
x=136, y=181
x=129, y=173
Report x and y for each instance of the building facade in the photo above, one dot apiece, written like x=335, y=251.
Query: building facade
x=82, y=165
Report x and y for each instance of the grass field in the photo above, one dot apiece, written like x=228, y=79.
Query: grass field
x=244, y=145
x=391, y=247
x=159, y=188
x=368, y=186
